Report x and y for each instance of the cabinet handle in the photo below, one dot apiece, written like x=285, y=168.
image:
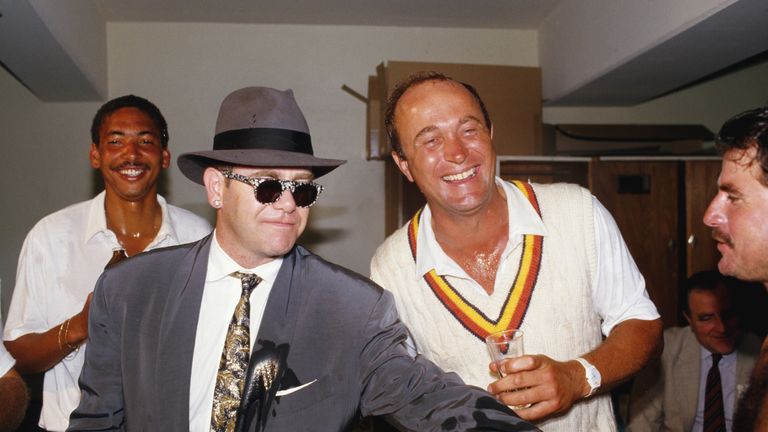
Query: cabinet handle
x=692, y=240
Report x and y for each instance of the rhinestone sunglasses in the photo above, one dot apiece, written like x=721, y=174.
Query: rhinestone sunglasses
x=269, y=190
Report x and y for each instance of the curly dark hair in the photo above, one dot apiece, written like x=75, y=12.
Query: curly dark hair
x=130, y=101
x=411, y=81
x=743, y=131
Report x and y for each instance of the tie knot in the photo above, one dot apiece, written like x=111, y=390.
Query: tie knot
x=716, y=358
x=248, y=281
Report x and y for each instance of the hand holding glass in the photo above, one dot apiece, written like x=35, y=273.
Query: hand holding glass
x=503, y=345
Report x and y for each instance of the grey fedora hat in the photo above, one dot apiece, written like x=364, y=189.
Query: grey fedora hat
x=261, y=127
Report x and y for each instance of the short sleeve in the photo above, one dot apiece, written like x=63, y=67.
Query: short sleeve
x=618, y=290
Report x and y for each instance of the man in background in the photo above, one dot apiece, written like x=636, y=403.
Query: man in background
x=486, y=255
x=65, y=252
x=737, y=216
x=671, y=394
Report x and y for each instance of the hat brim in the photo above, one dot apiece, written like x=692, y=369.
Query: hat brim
x=193, y=164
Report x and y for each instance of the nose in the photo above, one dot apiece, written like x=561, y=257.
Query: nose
x=713, y=216
x=718, y=324
x=454, y=150
x=285, y=202
x=132, y=149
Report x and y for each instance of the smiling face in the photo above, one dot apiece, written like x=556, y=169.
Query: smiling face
x=712, y=319
x=129, y=154
x=737, y=216
x=250, y=232
x=446, y=146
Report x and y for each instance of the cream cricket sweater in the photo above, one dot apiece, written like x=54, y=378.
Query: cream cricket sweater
x=560, y=321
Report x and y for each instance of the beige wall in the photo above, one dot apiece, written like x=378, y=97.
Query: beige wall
x=43, y=165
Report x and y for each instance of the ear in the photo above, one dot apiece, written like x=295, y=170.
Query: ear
x=687, y=317
x=403, y=165
x=214, y=186
x=166, y=158
x=94, y=156
x=491, y=130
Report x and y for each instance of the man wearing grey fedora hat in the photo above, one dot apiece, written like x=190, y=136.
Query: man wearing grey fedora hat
x=247, y=331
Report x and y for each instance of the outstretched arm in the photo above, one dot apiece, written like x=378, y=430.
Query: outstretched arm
x=413, y=393
x=101, y=382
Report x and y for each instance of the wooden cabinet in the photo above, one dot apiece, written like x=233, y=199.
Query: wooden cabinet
x=700, y=188
x=658, y=205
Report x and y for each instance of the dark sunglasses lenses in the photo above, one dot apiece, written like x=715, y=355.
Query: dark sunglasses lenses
x=268, y=191
x=304, y=194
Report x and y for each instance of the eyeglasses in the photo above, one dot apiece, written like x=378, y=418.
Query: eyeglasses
x=268, y=190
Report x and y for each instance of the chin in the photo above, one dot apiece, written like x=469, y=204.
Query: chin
x=280, y=250
x=725, y=268
x=726, y=350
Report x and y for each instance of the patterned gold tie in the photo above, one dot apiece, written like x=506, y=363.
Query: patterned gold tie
x=234, y=360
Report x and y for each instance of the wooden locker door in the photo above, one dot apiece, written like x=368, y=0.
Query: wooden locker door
x=643, y=198
x=700, y=188
x=546, y=171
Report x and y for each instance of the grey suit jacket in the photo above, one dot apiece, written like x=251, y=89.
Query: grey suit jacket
x=341, y=330
x=665, y=394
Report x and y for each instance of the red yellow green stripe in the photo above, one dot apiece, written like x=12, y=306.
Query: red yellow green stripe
x=515, y=305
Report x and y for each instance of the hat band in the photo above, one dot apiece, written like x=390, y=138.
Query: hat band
x=263, y=139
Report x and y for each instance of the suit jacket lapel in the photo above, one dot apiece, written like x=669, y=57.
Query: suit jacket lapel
x=279, y=320
x=687, y=372
x=178, y=326
x=275, y=335
x=746, y=355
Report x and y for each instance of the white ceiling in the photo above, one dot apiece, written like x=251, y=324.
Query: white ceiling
x=591, y=52
x=500, y=14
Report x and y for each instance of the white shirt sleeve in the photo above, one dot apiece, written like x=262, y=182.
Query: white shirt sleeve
x=618, y=290
x=6, y=360
x=26, y=314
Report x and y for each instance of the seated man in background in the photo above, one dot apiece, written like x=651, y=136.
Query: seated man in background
x=679, y=392
x=65, y=252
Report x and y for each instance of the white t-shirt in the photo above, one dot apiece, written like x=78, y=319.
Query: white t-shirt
x=61, y=259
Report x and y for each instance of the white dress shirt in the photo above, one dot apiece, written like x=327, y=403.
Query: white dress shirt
x=61, y=259
x=618, y=290
x=221, y=294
